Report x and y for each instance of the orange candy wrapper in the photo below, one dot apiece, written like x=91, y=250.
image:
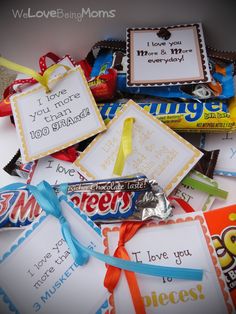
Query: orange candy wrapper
x=222, y=226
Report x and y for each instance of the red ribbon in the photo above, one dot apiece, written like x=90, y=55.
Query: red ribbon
x=69, y=154
x=184, y=205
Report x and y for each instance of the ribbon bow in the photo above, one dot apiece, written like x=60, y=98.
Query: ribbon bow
x=48, y=200
x=43, y=79
x=127, y=231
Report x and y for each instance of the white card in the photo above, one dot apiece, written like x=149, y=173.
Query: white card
x=228, y=184
x=198, y=200
x=38, y=274
x=47, y=123
x=226, y=143
x=181, y=59
x=54, y=171
x=180, y=242
x=157, y=151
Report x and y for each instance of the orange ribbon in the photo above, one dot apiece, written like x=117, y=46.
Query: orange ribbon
x=127, y=231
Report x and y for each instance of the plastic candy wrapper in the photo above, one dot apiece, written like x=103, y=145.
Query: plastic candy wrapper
x=134, y=198
x=221, y=87
x=18, y=208
x=15, y=167
x=112, y=54
x=103, y=86
x=211, y=116
x=206, y=165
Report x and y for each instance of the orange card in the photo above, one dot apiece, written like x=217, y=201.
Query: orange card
x=222, y=226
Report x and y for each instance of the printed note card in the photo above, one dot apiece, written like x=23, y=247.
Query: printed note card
x=39, y=275
x=49, y=122
x=179, y=59
x=198, y=200
x=181, y=242
x=226, y=143
x=54, y=171
x=157, y=151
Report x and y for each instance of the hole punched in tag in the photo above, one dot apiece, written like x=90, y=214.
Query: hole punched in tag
x=163, y=33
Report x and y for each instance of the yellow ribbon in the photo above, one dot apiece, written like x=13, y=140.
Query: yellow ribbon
x=125, y=148
x=42, y=79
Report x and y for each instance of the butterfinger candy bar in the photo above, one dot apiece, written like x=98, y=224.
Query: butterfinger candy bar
x=185, y=116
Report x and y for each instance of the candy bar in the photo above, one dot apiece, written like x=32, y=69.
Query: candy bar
x=206, y=165
x=221, y=65
x=16, y=167
x=135, y=198
x=18, y=208
x=185, y=117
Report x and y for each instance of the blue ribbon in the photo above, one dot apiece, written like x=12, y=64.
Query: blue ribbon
x=47, y=199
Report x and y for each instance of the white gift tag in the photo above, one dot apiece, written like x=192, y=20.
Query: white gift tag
x=54, y=171
x=38, y=273
x=157, y=151
x=198, y=200
x=153, y=60
x=226, y=143
x=227, y=183
x=181, y=242
x=49, y=122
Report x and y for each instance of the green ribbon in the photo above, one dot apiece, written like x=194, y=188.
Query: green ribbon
x=198, y=185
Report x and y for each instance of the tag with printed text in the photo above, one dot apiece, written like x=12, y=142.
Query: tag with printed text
x=157, y=151
x=175, y=249
x=41, y=262
x=226, y=143
x=49, y=122
x=172, y=55
x=54, y=171
x=198, y=200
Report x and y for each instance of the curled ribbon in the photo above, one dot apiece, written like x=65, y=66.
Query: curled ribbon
x=43, y=79
x=125, y=147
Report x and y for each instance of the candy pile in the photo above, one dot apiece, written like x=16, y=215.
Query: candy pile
x=129, y=172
